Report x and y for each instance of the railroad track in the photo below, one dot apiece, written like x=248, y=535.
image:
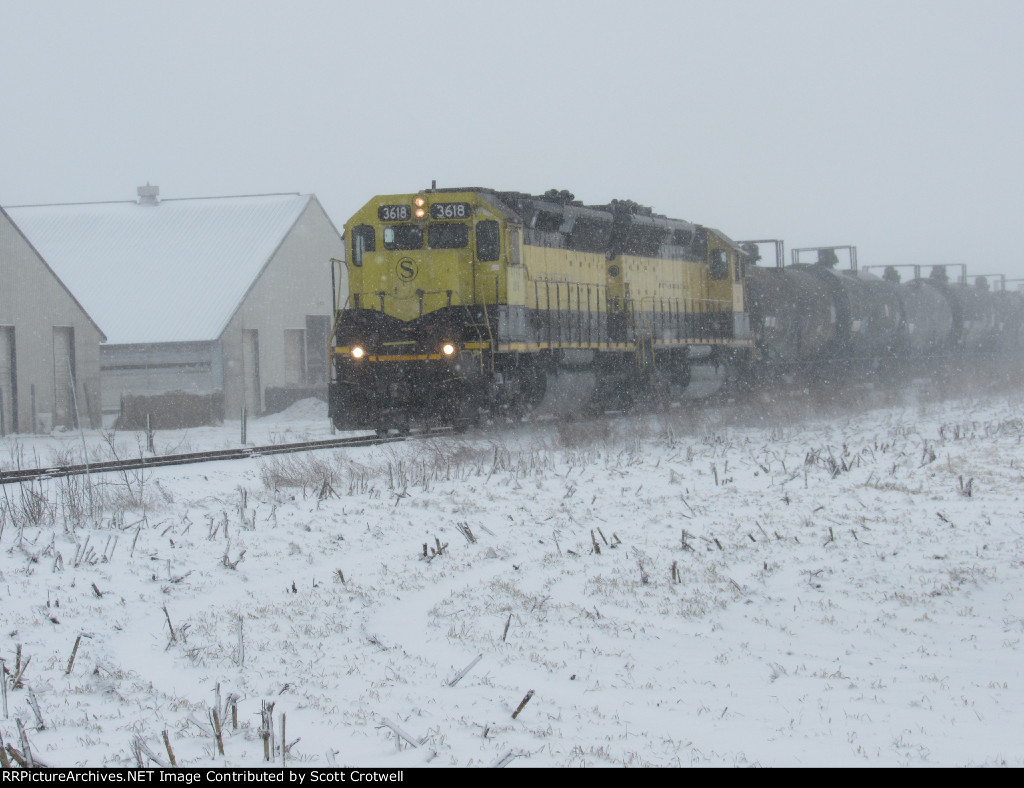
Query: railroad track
x=156, y=461
x=716, y=399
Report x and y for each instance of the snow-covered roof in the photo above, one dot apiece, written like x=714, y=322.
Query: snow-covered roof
x=171, y=271
x=6, y=219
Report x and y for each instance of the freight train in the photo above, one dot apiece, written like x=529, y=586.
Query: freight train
x=829, y=326
x=468, y=302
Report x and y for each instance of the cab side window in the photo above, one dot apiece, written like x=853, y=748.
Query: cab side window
x=488, y=242
x=364, y=239
x=719, y=264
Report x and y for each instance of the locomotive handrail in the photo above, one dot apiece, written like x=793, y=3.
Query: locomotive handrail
x=719, y=301
x=416, y=294
x=642, y=335
x=684, y=308
x=569, y=284
x=487, y=322
x=490, y=339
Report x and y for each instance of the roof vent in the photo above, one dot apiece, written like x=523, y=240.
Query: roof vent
x=149, y=195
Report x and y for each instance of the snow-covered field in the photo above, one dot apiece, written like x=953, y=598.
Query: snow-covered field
x=756, y=586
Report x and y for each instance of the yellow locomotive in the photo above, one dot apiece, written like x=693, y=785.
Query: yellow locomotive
x=464, y=302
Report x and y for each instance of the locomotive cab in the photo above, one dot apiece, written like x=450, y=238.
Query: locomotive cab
x=425, y=274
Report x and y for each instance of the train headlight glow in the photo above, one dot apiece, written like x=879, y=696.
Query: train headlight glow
x=448, y=349
x=358, y=352
x=420, y=210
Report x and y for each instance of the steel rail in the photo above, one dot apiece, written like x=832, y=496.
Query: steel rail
x=143, y=462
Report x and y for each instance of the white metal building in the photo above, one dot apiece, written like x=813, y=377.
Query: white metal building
x=226, y=297
x=49, y=346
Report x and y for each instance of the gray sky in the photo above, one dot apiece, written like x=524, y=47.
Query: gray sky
x=897, y=126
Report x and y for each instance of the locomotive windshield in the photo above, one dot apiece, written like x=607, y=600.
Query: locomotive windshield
x=444, y=235
x=403, y=236
x=448, y=235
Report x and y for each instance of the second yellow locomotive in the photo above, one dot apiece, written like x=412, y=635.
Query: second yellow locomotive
x=464, y=302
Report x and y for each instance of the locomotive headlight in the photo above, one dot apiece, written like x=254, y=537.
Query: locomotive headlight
x=448, y=349
x=420, y=209
x=358, y=352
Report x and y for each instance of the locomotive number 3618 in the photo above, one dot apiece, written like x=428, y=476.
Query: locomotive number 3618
x=450, y=210
x=394, y=213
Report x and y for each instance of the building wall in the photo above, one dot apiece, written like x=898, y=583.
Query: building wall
x=147, y=369
x=41, y=315
x=263, y=338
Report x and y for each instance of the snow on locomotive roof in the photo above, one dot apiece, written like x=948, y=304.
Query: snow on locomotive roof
x=160, y=270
